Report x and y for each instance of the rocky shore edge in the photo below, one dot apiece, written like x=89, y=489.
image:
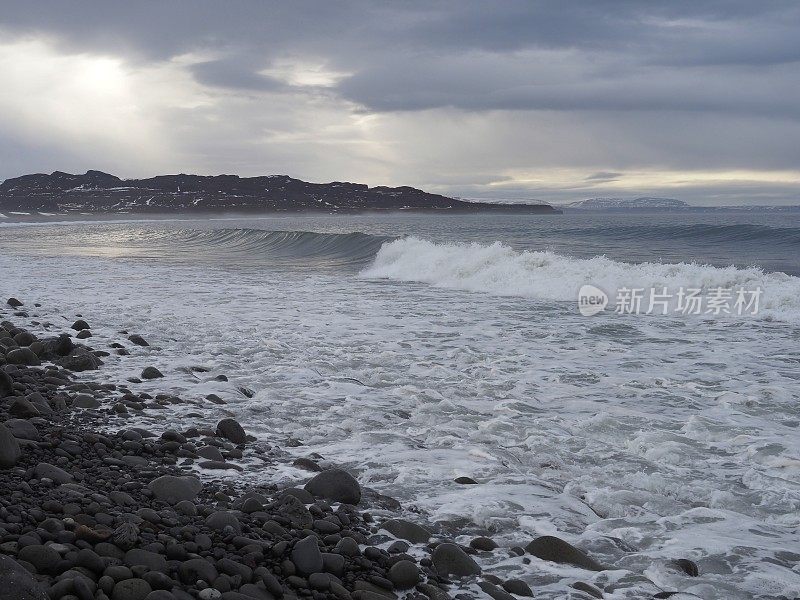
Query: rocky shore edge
x=90, y=515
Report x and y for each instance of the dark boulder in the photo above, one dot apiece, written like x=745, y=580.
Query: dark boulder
x=518, y=587
x=23, y=356
x=151, y=373
x=44, y=559
x=306, y=556
x=406, y=530
x=79, y=361
x=6, y=384
x=56, y=346
x=138, y=340
x=483, y=543
x=174, y=489
x=80, y=325
x=450, y=559
x=17, y=582
x=231, y=429
x=9, y=448
x=687, y=566
x=557, y=550
x=336, y=485
x=465, y=481
x=197, y=569
x=14, y=303
x=51, y=472
x=404, y=574
x=22, y=429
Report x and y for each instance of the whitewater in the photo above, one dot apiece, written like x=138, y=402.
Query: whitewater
x=415, y=350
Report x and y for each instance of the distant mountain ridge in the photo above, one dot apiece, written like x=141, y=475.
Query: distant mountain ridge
x=95, y=191
x=642, y=202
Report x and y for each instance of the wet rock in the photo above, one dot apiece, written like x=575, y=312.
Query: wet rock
x=219, y=465
x=25, y=338
x=131, y=589
x=336, y=485
x=44, y=559
x=518, y=587
x=582, y=586
x=151, y=373
x=9, y=448
x=221, y=519
x=138, y=340
x=307, y=465
x=465, y=481
x=151, y=560
x=125, y=536
x=306, y=556
x=210, y=452
x=17, y=582
x=174, y=489
x=406, y=530
x=86, y=401
x=687, y=566
x=56, y=347
x=79, y=362
x=197, y=569
x=23, y=408
x=450, y=559
x=22, y=429
x=404, y=574
x=495, y=592
x=6, y=384
x=23, y=356
x=554, y=549
x=231, y=429
x=14, y=303
x=483, y=543
x=53, y=473
x=80, y=325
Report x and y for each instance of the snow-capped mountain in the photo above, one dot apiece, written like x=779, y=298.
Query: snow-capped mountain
x=642, y=202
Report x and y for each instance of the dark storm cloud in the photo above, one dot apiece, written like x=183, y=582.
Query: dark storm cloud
x=231, y=74
x=624, y=55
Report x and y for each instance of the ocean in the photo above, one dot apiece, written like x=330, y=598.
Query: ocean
x=414, y=349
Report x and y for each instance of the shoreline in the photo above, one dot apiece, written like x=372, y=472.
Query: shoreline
x=89, y=503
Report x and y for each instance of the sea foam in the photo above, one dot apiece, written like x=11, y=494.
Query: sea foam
x=498, y=269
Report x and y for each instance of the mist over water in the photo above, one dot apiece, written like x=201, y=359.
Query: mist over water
x=416, y=349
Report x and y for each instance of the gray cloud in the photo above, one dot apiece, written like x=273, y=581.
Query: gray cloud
x=603, y=176
x=460, y=95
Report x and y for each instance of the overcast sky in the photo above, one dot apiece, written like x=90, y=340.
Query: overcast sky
x=550, y=100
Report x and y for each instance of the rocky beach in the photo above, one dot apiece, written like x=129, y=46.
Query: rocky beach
x=94, y=507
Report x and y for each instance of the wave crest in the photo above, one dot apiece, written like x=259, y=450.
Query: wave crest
x=497, y=269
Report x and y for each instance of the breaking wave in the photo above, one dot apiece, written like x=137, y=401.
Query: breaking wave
x=497, y=269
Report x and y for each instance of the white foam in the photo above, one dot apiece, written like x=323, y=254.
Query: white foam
x=675, y=441
x=497, y=269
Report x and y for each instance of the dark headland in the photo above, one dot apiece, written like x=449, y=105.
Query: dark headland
x=95, y=191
